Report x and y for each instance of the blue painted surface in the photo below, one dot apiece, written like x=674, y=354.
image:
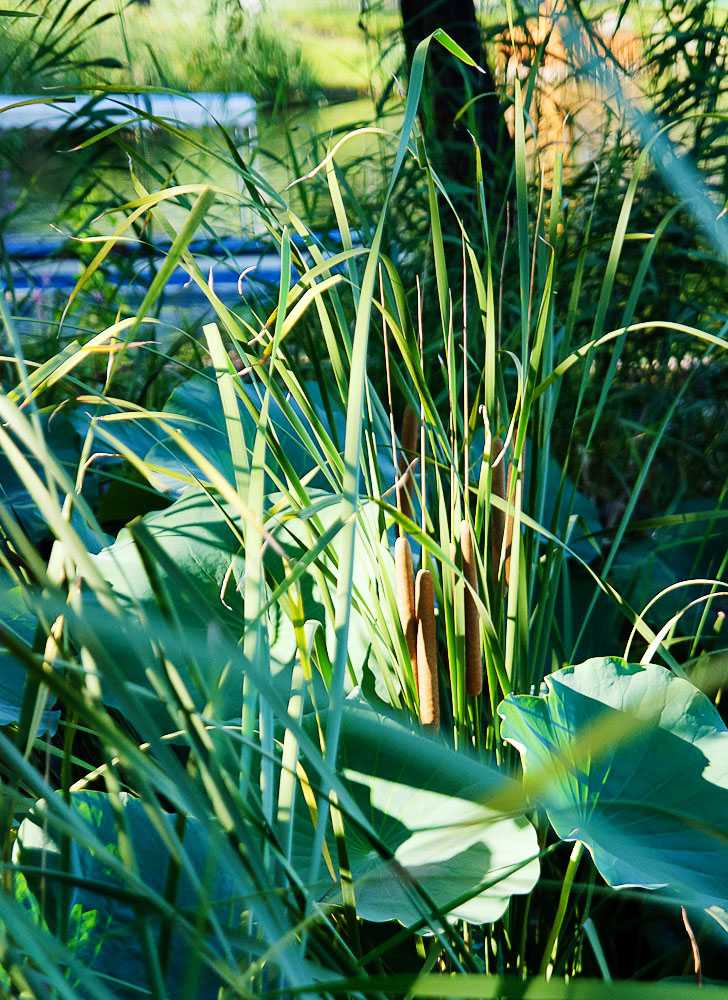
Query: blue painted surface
x=50, y=265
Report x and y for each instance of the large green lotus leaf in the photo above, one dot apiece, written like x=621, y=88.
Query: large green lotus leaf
x=136, y=434
x=448, y=820
x=632, y=761
x=199, y=400
x=104, y=922
x=577, y=519
x=17, y=617
x=372, y=559
x=197, y=538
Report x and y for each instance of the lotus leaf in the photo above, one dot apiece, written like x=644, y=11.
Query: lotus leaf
x=632, y=761
x=12, y=674
x=198, y=400
x=204, y=567
x=449, y=828
x=105, y=920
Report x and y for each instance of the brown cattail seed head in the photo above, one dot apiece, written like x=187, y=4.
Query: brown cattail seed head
x=406, y=598
x=473, y=658
x=408, y=440
x=427, y=650
x=497, y=517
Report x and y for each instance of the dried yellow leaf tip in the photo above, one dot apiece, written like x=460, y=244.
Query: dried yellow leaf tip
x=405, y=580
x=497, y=517
x=473, y=657
x=427, y=650
x=408, y=440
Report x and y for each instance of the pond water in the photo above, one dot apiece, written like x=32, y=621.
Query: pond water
x=40, y=178
x=42, y=173
x=59, y=180
x=50, y=190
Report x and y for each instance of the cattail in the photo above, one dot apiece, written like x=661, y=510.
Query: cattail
x=408, y=441
x=427, y=650
x=473, y=658
x=497, y=517
x=406, y=598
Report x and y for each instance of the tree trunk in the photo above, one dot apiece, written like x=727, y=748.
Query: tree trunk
x=450, y=84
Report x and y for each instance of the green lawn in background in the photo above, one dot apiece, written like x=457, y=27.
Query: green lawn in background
x=289, y=51
x=333, y=43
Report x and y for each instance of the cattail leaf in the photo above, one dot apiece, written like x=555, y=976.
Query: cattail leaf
x=473, y=654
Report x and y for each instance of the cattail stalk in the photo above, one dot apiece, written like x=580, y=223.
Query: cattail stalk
x=473, y=657
x=427, y=650
x=508, y=535
x=408, y=440
x=405, y=580
x=497, y=517
x=385, y=340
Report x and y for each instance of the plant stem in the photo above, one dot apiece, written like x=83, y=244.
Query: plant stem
x=550, y=950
